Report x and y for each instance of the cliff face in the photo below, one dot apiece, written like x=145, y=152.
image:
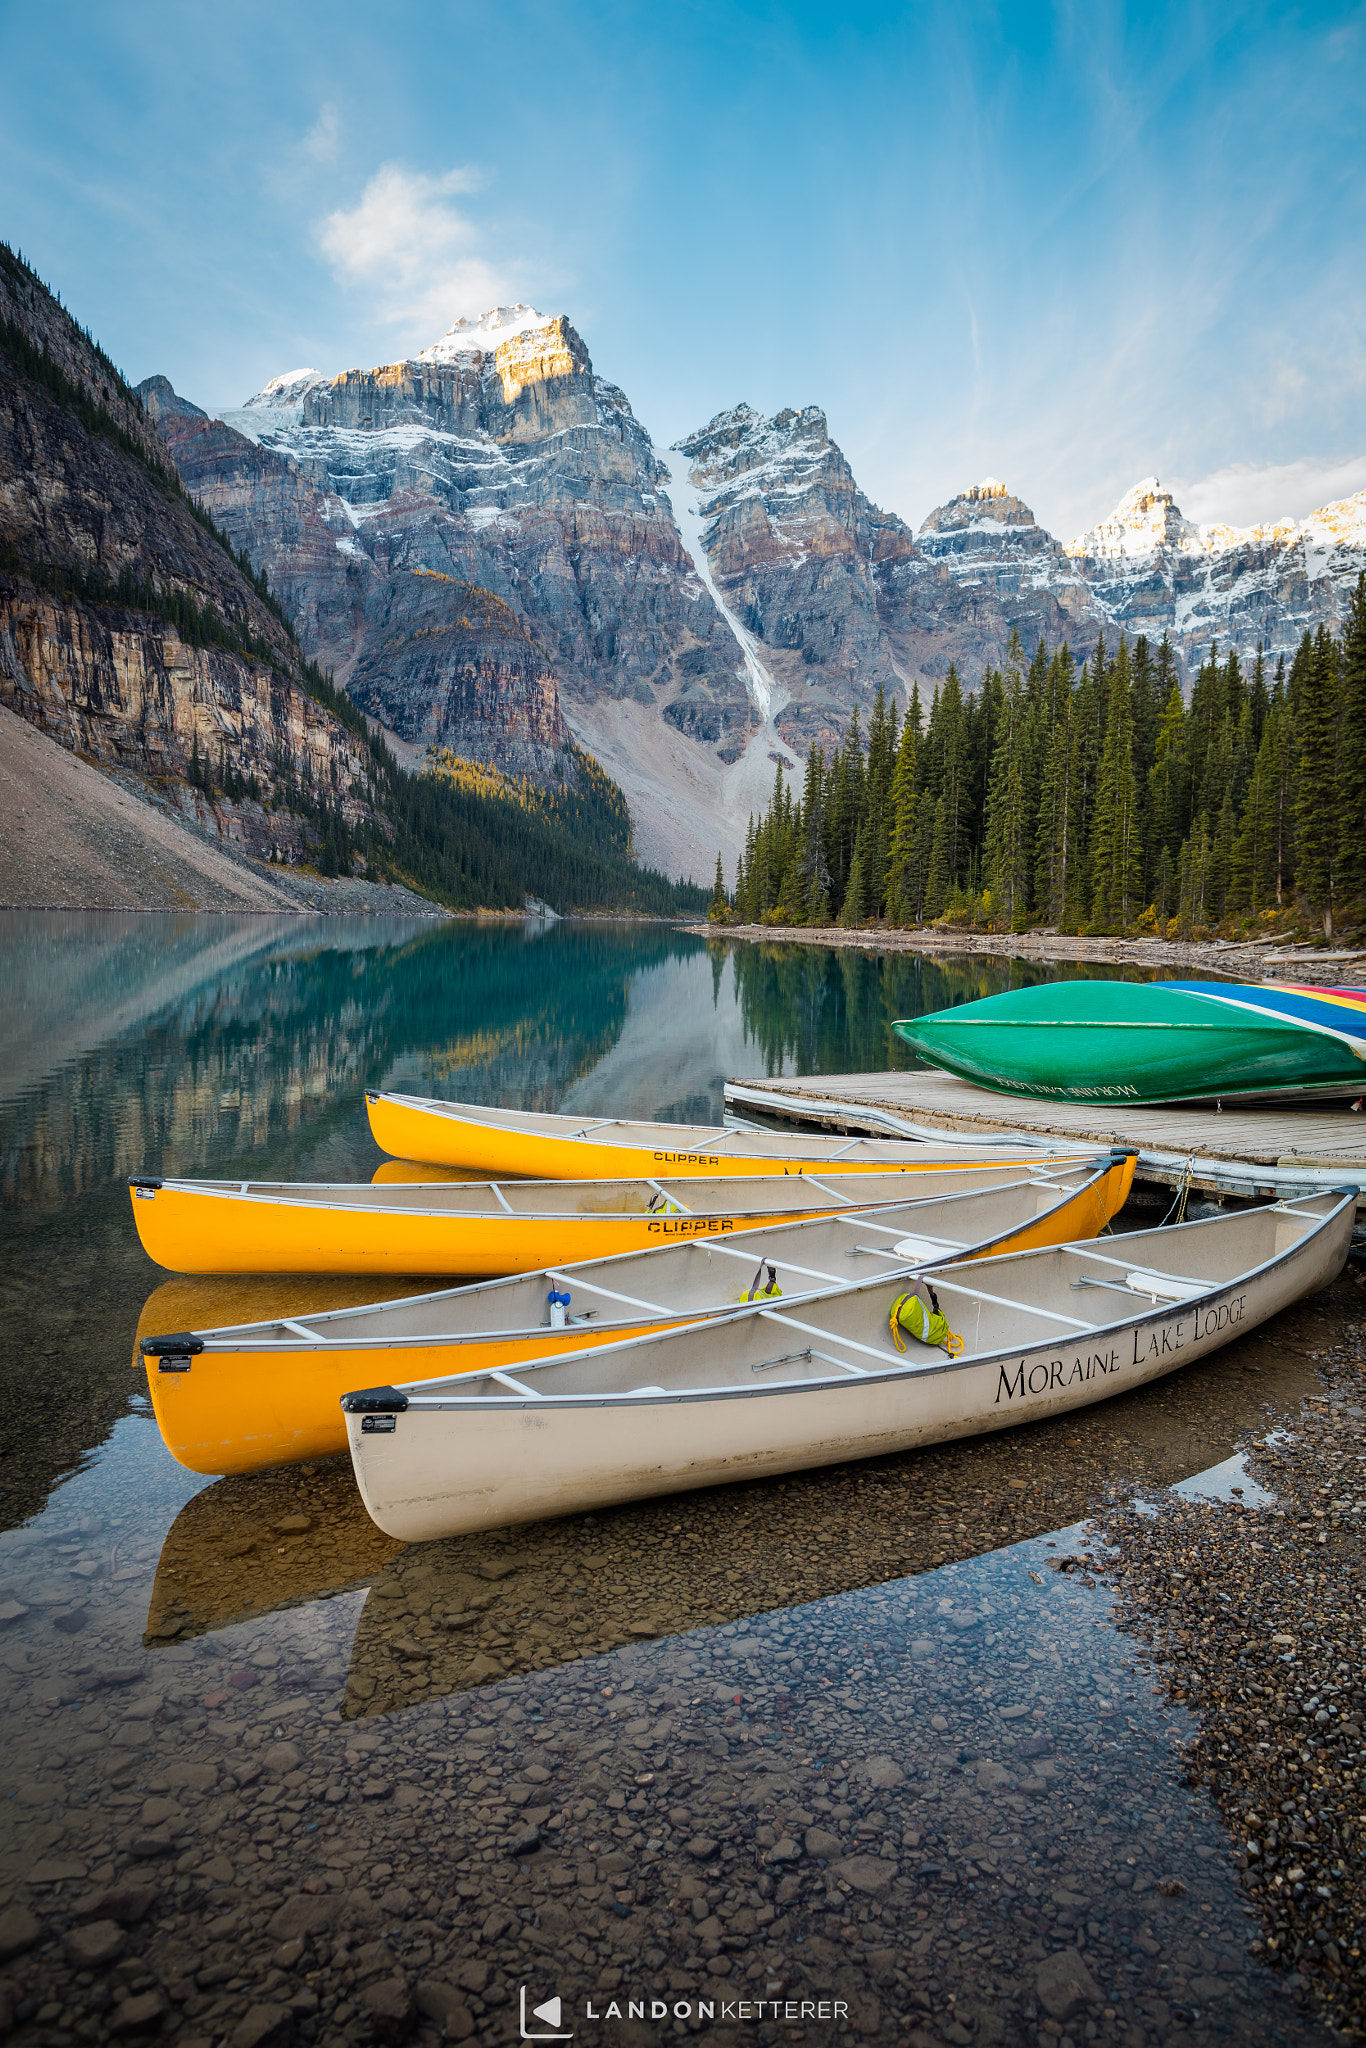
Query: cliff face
x=495, y=459
x=109, y=590
x=795, y=549
x=981, y=569
x=844, y=599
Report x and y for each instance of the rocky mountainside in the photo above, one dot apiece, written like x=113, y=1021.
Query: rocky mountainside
x=1150, y=571
x=825, y=579
x=127, y=631
x=485, y=548
x=131, y=633
x=796, y=550
x=496, y=459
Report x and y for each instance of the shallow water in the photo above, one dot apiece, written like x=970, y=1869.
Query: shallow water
x=846, y=1736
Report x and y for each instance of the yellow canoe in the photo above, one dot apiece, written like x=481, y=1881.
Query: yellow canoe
x=548, y=1147
x=484, y=1229
x=267, y=1393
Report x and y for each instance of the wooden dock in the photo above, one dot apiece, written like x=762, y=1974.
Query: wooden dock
x=1244, y=1153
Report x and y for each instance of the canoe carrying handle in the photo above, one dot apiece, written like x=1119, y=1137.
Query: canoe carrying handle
x=173, y=1353
x=143, y=1180
x=375, y=1401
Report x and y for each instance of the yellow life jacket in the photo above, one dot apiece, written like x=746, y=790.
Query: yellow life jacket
x=769, y=1290
x=923, y=1320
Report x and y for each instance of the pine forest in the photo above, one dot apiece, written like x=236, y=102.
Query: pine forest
x=1084, y=798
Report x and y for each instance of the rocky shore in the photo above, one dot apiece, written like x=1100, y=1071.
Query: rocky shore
x=1254, y=1618
x=879, y=1735
x=1345, y=966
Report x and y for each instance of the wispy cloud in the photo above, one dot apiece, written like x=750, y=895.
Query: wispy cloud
x=323, y=140
x=1251, y=494
x=420, y=258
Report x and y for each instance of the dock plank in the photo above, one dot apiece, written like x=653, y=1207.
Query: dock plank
x=1234, y=1150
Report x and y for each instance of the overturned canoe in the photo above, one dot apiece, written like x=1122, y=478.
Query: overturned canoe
x=1160, y=1041
x=550, y=1147
x=484, y=1229
x=778, y=1389
x=268, y=1393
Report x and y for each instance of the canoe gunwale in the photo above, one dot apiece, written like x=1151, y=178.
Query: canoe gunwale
x=306, y=1194
x=1091, y=1172
x=303, y=1343
x=415, y=1401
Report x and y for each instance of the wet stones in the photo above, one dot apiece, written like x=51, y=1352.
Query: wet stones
x=1065, y=1986
x=301, y=1915
x=444, y=2004
x=263, y=2026
x=391, y=2009
x=19, y=1930
x=95, y=1944
x=142, y=2013
x=125, y=1903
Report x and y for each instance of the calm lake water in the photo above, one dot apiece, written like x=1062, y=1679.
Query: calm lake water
x=750, y=1745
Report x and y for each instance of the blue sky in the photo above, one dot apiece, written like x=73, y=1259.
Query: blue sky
x=1067, y=246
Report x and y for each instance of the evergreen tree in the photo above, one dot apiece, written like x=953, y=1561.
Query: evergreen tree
x=718, y=911
x=1117, y=858
x=1351, y=789
x=1009, y=834
x=902, y=895
x=855, y=908
x=937, y=878
x=1316, y=817
x=1056, y=858
x=1168, y=784
x=1219, y=874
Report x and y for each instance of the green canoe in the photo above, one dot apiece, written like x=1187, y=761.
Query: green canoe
x=1123, y=1041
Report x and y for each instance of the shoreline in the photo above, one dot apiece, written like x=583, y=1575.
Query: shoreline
x=1225, y=956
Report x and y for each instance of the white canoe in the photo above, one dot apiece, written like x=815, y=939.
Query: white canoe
x=779, y=1389
x=253, y=1394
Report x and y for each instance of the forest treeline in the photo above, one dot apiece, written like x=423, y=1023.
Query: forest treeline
x=1089, y=798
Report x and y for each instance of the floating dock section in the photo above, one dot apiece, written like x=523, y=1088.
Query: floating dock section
x=1245, y=1154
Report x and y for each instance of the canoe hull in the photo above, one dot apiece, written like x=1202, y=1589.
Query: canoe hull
x=223, y=1228
x=246, y=1410
x=433, y=1475
x=244, y=1402
x=189, y=1231
x=1118, y=1042
x=545, y=1148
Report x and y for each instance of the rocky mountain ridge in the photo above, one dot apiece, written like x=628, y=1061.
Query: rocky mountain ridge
x=686, y=644
x=495, y=461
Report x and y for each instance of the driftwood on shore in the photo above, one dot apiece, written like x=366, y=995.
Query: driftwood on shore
x=1218, y=956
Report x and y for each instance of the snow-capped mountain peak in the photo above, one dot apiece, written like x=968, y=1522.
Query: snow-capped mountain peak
x=484, y=335
x=985, y=506
x=1145, y=519
x=286, y=389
